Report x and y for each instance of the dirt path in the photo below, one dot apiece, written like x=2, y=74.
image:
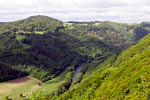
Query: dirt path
x=31, y=91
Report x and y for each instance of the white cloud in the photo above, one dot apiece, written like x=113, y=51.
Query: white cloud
x=81, y=10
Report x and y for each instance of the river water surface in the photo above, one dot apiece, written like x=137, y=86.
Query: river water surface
x=77, y=72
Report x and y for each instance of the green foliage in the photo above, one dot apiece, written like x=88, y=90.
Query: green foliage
x=53, y=88
x=7, y=72
x=31, y=24
x=128, y=77
x=53, y=51
x=40, y=84
x=45, y=54
x=142, y=30
x=7, y=98
x=21, y=95
x=44, y=47
x=115, y=34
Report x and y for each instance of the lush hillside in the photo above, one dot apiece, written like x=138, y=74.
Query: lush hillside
x=119, y=35
x=7, y=73
x=45, y=48
x=141, y=30
x=126, y=78
x=32, y=24
x=44, y=53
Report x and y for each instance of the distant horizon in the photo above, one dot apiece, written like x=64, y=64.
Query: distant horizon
x=120, y=11
x=73, y=20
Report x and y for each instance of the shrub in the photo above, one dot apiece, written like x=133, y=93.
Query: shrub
x=21, y=95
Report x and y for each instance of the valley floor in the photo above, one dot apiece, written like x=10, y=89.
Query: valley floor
x=14, y=88
x=52, y=85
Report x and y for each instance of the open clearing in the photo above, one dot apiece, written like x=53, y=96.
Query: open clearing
x=13, y=88
x=52, y=85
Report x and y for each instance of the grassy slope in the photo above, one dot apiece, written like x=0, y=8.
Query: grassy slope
x=13, y=88
x=52, y=85
x=127, y=79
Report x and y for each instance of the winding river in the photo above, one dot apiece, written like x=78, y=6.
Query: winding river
x=77, y=72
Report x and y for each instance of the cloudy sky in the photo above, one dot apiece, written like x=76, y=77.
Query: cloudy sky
x=133, y=11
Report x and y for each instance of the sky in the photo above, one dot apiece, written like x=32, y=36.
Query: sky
x=128, y=11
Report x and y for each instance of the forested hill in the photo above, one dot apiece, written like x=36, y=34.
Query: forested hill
x=36, y=46
x=44, y=47
x=125, y=77
x=32, y=24
x=119, y=35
